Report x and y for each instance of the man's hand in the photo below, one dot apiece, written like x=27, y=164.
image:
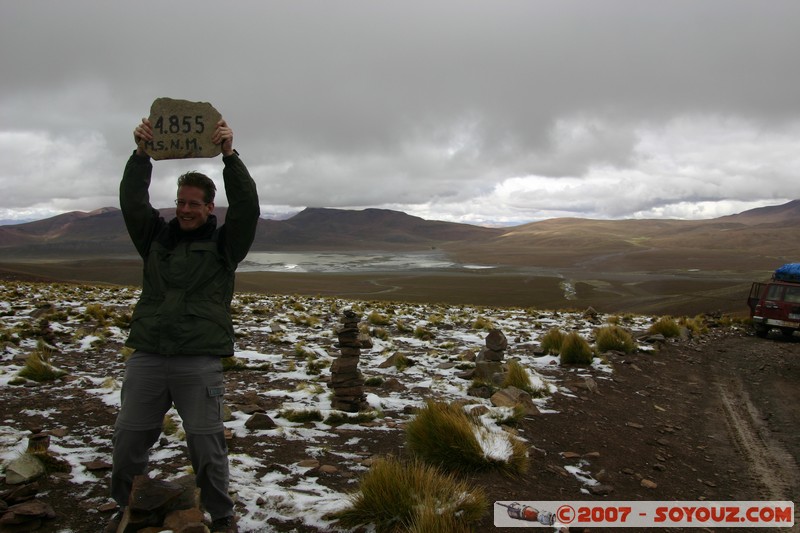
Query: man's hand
x=223, y=135
x=142, y=134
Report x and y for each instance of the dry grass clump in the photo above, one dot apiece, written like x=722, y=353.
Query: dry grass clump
x=614, y=338
x=232, y=363
x=575, y=350
x=482, y=323
x=696, y=325
x=170, y=426
x=665, y=326
x=301, y=415
x=551, y=341
x=517, y=377
x=378, y=319
x=442, y=434
x=314, y=365
x=97, y=312
x=413, y=497
x=380, y=333
x=37, y=365
x=424, y=334
x=303, y=319
x=338, y=418
x=402, y=361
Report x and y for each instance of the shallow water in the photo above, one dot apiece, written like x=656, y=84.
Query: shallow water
x=348, y=262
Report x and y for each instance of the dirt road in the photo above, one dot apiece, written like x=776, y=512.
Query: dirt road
x=713, y=418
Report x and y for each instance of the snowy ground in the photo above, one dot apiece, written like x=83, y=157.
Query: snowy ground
x=295, y=336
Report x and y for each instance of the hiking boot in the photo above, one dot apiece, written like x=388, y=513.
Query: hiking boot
x=113, y=525
x=224, y=525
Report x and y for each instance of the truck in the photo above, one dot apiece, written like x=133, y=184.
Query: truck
x=775, y=304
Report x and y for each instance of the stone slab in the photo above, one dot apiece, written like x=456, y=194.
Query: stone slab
x=182, y=129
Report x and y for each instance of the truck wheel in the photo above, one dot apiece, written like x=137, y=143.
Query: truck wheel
x=761, y=330
x=787, y=332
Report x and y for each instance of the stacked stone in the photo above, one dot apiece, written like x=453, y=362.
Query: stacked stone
x=490, y=359
x=496, y=344
x=346, y=381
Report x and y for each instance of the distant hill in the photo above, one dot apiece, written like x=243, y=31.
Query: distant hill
x=761, y=238
x=102, y=232
x=758, y=239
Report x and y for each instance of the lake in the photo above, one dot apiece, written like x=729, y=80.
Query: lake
x=348, y=262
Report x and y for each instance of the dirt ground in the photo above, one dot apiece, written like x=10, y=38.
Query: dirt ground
x=711, y=418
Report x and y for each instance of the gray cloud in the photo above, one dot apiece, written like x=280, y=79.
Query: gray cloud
x=488, y=112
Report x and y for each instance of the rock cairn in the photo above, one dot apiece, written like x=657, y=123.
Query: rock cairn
x=490, y=359
x=160, y=504
x=20, y=507
x=346, y=380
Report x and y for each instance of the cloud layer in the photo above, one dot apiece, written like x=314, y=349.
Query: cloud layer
x=484, y=112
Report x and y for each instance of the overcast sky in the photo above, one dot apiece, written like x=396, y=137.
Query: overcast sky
x=489, y=112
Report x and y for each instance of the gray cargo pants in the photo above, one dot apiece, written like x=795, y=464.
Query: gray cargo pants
x=152, y=384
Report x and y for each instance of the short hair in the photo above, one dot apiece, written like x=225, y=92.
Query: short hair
x=201, y=181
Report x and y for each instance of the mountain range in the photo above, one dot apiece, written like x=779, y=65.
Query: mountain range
x=754, y=239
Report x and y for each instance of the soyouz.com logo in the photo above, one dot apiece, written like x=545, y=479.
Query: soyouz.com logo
x=644, y=514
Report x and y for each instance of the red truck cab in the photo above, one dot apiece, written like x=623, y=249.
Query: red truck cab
x=775, y=304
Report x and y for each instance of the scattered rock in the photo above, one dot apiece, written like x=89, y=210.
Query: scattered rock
x=96, y=465
x=26, y=516
x=648, y=484
x=601, y=489
x=260, y=421
x=308, y=463
x=512, y=397
x=24, y=469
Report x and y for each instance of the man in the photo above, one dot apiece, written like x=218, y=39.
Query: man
x=182, y=326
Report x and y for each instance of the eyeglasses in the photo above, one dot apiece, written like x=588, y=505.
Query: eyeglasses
x=192, y=204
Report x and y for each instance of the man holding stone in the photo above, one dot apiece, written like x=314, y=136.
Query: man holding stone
x=182, y=326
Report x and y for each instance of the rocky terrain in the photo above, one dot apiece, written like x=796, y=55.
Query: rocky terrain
x=710, y=415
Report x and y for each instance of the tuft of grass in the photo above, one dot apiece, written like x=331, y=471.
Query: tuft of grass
x=402, y=362
x=517, y=377
x=614, y=338
x=412, y=497
x=551, y=341
x=300, y=350
x=443, y=435
x=512, y=417
x=314, y=366
x=303, y=319
x=665, y=326
x=232, y=363
x=301, y=415
x=339, y=418
x=696, y=325
x=170, y=426
x=97, y=312
x=575, y=350
x=37, y=365
x=126, y=352
x=380, y=333
x=436, y=319
x=424, y=334
x=374, y=381
x=482, y=323
x=378, y=319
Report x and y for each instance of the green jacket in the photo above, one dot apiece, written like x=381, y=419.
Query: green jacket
x=187, y=286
